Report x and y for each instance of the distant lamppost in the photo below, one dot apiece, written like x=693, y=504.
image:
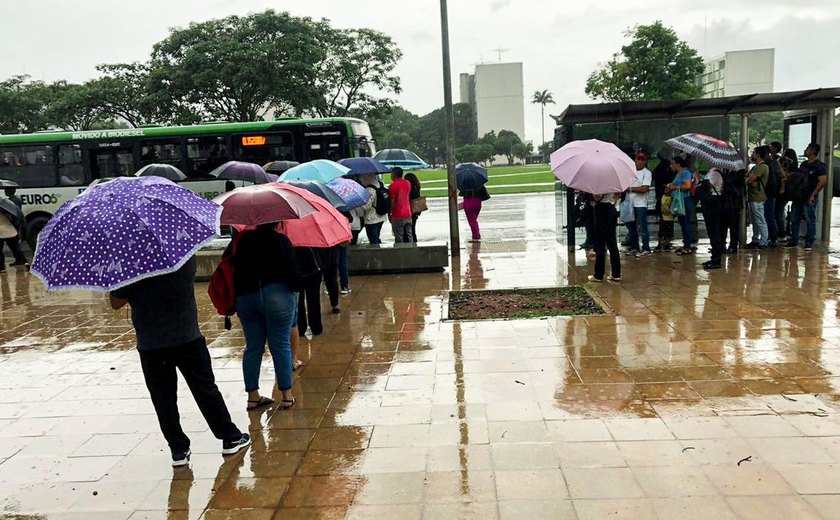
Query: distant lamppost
x=454, y=238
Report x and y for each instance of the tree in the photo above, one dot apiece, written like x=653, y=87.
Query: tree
x=358, y=61
x=75, y=107
x=542, y=98
x=479, y=153
x=393, y=127
x=431, y=131
x=125, y=94
x=522, y=151
x=546, y=148
x=766, y=127
x=239, y=68
x=22, y=105
x=505, y=142
x=655, y=65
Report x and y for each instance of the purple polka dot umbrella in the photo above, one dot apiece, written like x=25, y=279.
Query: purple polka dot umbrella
x=122, y=231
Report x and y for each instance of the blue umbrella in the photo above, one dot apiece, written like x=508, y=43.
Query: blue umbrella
x=470, y=176
x=318, y=170
x=320, y=189
x=241, y=171
x=364, y=166
x=405, y=159
x=354, y=194
x=122, y=231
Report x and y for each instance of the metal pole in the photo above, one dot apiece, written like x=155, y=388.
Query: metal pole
x=454, y=238
x=745, y=155
x=827, y=142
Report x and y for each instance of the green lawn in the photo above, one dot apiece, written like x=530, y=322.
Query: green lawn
x=503, y=179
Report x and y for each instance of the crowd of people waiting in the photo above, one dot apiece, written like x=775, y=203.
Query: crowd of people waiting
x=773, y=181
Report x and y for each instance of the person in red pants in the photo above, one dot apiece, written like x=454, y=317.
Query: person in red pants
x=472, y=207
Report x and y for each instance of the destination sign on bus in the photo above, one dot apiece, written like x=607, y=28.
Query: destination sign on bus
x=254, y=140
x=109, y=134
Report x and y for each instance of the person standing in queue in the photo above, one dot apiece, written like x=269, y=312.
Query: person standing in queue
x=266, y=281
x=374, y=213
x=712, y=213
x=606, y=218
x=165, y=319
x=681, y=187
x=400, y=215
x=413, y=196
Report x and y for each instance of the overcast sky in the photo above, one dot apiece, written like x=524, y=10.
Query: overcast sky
x=559, y=41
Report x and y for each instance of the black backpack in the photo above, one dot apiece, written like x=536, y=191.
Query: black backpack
x=383, y=200
x=771, y=189
x=704, y=190
x=796, y=186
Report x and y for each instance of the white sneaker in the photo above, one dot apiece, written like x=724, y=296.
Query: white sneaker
x=345, y=291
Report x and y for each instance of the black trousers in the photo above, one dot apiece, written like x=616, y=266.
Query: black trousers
x=309, y=305
x=330, y=275
x=14, y=247
x=712, y=209
x=605, y=240
x=779, y=214
x=193, y=360
x=414, y=227
x=731, y=223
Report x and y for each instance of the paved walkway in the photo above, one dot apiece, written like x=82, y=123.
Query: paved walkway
x=705, y=395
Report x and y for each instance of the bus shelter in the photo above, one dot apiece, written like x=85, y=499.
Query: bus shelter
x=645, y=125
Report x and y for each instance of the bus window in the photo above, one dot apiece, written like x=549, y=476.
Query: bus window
x=325, y=141
x=113, y=163
x=70, y=169
x=161, y=151
x=264, y=148
x=205, y=154
x=29, y=166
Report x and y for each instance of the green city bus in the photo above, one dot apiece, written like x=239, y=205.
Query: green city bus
x=53, y=167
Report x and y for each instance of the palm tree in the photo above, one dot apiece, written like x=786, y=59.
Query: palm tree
x=542, y=98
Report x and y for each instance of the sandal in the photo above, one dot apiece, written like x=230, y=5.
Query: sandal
x=296, y=364
x=285, y=404
x=262, y=401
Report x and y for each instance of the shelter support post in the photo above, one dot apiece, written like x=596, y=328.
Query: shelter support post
x=454, y=235
x=825, y=136
x=745, y=155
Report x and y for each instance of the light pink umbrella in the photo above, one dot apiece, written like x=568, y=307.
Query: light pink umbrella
x=593, y=166
x=261, y=204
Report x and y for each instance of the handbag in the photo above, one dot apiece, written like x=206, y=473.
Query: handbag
x=625, y=211
x=418, y=205
x=678, y=204
x=483, y=194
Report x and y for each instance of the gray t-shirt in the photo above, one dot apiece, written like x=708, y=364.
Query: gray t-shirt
x=163, y=308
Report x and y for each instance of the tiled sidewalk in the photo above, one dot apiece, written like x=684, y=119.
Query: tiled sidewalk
x=643, y=413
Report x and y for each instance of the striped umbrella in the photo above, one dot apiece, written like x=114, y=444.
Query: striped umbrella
x=714, y=151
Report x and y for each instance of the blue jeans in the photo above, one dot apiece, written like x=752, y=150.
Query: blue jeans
x=770, y=218
x=639, y=228
x=267, y=314
x=687, y=221
x=759, y=223
x=373, y=231
x=810, y=211
x=343, y=270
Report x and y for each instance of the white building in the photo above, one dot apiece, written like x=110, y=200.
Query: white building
x=497, y=94
x=737, y=73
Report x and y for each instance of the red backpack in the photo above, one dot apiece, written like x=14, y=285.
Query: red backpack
x=221, y=289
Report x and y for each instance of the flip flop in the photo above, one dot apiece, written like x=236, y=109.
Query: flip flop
x=296, y=364
x=262, y=401
x=285, y=404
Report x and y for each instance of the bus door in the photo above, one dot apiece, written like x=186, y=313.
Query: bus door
x=325, y=141
x=112, y=161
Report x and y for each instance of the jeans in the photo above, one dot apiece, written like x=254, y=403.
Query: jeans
x=373, y=231
x=160, y=370
x=402, y=231
x=343, y=270
x=639, y=228
x=14, y=247
x=759, y=224
x=810, y=211
x=267, y=314
x=605, y=240
x=472, y=207
x=770, y=218
x=687, y=221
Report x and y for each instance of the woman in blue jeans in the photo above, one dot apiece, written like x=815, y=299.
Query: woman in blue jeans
x=681, y=187
x=266, y=280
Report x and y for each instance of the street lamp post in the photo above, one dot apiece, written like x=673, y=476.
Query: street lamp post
x=454, y=238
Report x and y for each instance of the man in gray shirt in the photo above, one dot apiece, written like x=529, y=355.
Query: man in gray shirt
x=165, y=319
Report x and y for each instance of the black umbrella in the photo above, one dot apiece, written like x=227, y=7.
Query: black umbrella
x=167, y=171
x=470, y=176
x=241, y=171
x=320, y=189
x=7, y=206
x=279, y=167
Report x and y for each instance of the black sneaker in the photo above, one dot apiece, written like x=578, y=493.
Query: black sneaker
x=19, y=263
x=751, y=245
x=181, y=458
x=711, y=265
x=231, y=447
x=336, y=310
x=730, y=251
x=791, y=245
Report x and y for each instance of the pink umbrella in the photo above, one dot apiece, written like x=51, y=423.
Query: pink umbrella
x=593, y=166
x=261, y=204
x=326, y=227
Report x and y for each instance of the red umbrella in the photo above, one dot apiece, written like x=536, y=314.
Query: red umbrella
x=326, y=227
x=261, y=204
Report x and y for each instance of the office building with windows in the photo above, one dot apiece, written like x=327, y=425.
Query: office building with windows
x=737, y=73
x=497, y=94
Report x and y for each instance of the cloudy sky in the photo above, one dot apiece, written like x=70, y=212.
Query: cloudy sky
x=559, y=41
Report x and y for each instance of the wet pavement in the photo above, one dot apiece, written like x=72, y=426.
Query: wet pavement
x=700, y=395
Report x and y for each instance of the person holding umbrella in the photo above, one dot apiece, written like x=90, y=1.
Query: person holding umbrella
x=606, y=218
x=11, y=229
x=471, y=179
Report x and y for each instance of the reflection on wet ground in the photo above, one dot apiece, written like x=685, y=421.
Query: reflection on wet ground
x=702, y=395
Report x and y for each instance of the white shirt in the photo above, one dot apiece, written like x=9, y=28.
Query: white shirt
x=643, y=178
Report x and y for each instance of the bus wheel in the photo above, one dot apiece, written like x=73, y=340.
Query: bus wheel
x=33, y=229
